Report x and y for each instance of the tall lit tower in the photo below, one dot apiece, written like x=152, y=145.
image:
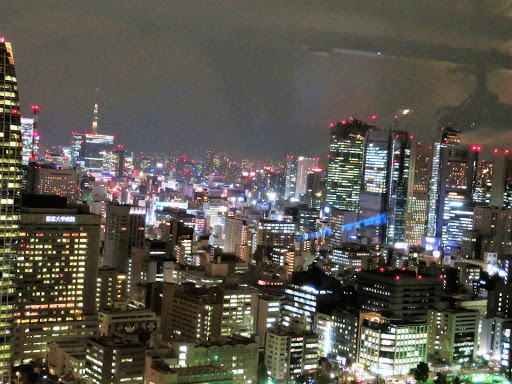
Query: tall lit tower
x=346, y=160
x=398, y=183
x=10, y=184
x=95, y=119
x=417, y=201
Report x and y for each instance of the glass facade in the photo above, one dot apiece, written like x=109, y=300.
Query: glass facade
x=346, y=161
x=10, y=183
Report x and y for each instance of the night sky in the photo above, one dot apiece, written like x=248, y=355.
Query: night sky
x=247, y=77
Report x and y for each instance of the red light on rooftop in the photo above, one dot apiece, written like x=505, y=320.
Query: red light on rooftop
x=344, y=122
x=331, y=125
x=507, y=151
x=374, y=117
x=396, y=116
x=419, y=276
x=496, y=150
x=397, y=277
x=2, y=39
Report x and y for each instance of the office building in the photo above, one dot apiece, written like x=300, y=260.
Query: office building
x=304, y=167
x=268, y=315
x=451, y=190
x=239, y=310
x=290, y=353
x=376, y=161
x=160, y=371
x=11, y=174
x=307, y=293
x=398, y=183
x=403, y=293
x=111, y=289
x=115, y=361
x=493, y=227
x=30, y=140
x=418, y=194
x=346, y=162
x=453, y=334
x=239, y=355
x=125, y=228
x=122, y=322
x=48, y=180
x=501, y=179
x=92, y=152
x=57, y=266
x=236, y=238
x=273, y=233
x=290, y=177
x=186, y=311
x=315, y=188
x=391, y=346
x=345, y=336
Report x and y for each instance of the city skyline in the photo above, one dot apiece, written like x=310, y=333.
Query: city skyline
x=229, y=80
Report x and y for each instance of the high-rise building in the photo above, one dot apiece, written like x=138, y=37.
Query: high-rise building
x=376, y=161
x=236, y=240
x=398, y=183
x=92, y=152
x=30, y=139
x=57, y=266
x=417, y=200
x=290, y=177
x=315, y=188
x=272, y=233
x=501, y=191
x=307, y=293
x=10, y=183
x=403, y=293
x=125, y=228
x=346, y=162
x=48, y=180
x=304, y=166
x=451, y=189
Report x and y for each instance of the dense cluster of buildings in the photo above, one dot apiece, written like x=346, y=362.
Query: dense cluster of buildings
x=158, y=268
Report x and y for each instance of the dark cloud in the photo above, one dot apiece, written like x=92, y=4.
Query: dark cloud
x=236, y=75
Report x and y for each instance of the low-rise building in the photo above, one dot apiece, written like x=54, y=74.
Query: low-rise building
x=289, y=353
x=391, y=346
x=453, y=334
x=115, y=361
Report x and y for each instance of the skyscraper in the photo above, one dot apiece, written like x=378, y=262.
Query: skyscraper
x=10, y=183
x=346, y=160
x=455, y=166
x=417, y=201
x=58, y=257
x=291, y=177
x=398, y=178
x=304, y=166
x=125, y=225
x=376, y=161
